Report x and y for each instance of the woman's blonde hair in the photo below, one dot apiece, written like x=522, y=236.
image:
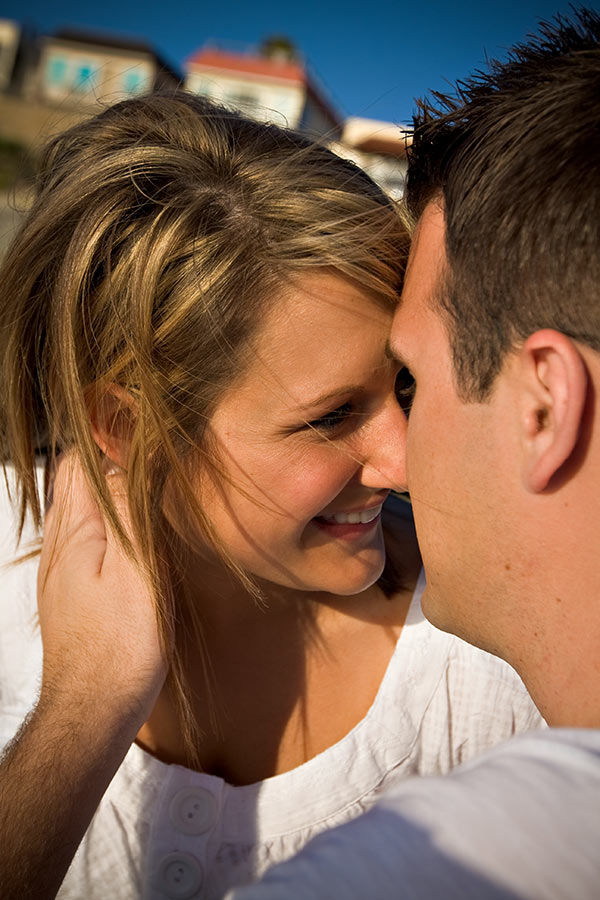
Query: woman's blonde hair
x=160, y=231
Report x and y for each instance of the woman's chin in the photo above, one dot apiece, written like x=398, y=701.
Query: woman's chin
x=356, y=576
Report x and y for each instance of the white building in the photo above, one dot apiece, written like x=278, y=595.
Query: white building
x=276, y=89
x=379, y=148
x=83, y=68
x=10, y=37
x=72, y=71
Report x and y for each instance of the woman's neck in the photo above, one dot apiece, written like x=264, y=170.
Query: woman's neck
x=287, y=676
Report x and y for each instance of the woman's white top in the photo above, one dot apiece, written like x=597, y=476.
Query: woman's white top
x=164, y=831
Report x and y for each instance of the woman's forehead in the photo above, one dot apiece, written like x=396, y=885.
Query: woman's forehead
x=321, y=335
x=321, y=299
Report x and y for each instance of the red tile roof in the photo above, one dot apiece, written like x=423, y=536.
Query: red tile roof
x=250, y=65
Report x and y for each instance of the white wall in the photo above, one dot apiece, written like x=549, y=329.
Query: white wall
x=10, y=34
x=87, y=74
x=263, y=100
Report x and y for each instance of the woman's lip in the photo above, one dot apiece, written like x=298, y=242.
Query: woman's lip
x=377, y=500
x=347, y=530
x=351, y=530
x=348, y=512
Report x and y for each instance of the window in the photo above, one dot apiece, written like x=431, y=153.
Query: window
x=56, y=71
x=135, y=81
x=85, y=77
x=242, y=101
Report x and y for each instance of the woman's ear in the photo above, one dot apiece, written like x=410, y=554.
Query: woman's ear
x=553, y=381
x=112, y=415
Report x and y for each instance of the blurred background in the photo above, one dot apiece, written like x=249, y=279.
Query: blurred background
x=346, y=73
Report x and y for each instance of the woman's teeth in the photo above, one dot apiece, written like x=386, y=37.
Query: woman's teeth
x=364, y=516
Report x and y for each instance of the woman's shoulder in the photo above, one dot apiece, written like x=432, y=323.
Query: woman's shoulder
x=20, y=643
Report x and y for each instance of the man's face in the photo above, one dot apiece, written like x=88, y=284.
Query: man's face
x=455, y=456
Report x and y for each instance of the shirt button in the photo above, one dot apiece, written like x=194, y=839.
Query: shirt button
x=180, y=875
x=193, y=810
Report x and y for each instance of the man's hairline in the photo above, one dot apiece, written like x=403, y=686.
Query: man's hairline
x=436, y=305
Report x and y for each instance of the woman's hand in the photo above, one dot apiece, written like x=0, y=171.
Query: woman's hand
x=97, y=613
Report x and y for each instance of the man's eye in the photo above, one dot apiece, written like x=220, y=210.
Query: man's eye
x=332, y=420
x=405, y=390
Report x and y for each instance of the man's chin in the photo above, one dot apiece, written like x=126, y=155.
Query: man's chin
x=443, y=616
x=439, y=612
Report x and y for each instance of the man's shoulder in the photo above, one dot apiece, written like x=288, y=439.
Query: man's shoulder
x=523, y=816
x=536, y=765
x=567, y=755
x=519, y=822
x=544, y=783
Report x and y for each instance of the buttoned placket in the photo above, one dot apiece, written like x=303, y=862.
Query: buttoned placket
x=183, y=838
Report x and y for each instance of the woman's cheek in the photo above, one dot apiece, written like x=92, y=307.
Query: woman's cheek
x=315, y=483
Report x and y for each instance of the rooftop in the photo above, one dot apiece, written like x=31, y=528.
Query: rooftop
x=253, y=65
x=374, y=136
x=249, y=64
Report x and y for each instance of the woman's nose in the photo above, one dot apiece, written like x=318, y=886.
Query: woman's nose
x=383, y=450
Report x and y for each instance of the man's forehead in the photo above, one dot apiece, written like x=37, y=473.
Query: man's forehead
x=421, y=284
x=427, y=254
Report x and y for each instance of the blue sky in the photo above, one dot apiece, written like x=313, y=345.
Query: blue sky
x=372, y=58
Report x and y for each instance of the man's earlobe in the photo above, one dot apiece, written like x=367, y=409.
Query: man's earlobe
x=553, y=381
x=112, y=415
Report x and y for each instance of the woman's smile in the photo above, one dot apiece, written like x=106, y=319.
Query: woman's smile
x=307, y=488
x=352, y=524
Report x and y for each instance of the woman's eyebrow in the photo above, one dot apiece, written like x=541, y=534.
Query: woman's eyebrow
x=392, y=353
x=331, y=396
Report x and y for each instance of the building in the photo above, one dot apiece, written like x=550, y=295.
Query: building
x=10, y=42
x=271, y=85
x=379, y=148
x=84, y=68
x=51, y=82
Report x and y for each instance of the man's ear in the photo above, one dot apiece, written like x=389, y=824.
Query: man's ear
x=112, y=415
x=553, y=382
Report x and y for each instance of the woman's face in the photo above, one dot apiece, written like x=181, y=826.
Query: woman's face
x=311, y=438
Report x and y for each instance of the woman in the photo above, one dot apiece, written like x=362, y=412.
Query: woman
x=197, y=309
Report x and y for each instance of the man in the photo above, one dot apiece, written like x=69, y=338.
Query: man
x=500, y=326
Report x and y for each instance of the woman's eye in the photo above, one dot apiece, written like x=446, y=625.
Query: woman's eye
x=332, y=420
x=405, y=390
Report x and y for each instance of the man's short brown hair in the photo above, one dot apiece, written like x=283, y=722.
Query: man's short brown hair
x=514, y=156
